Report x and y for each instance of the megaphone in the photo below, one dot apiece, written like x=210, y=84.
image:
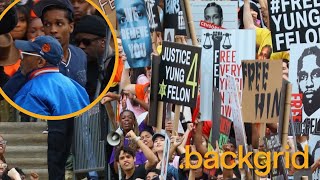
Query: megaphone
x=114, y=137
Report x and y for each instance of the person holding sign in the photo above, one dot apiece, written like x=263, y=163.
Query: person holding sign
x=135, y=34
x=263, y=35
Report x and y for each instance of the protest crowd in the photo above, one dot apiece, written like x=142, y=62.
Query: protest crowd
x=199, y=89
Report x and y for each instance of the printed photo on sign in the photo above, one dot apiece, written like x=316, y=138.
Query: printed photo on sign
x=296, y=22
x=214, y=15
x=304, y=74
x=179, y=73
x=135, y=33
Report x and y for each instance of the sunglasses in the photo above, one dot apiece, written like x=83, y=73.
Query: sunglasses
x=3, y=142
x=85, y=41
x=29, y=54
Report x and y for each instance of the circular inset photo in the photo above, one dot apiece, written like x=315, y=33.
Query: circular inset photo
x=57, y=57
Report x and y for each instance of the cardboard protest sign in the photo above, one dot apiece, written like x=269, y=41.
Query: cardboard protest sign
x=135, y=33
x=304, y=73
x=293, y=22
x=222, y=52
x=214, y=15
x=153, y=15
x=262, y=84
x=165, y=159
x=179, y=74
x=108, y=7
x=173, y=16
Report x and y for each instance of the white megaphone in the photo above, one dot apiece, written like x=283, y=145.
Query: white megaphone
x=114, y=137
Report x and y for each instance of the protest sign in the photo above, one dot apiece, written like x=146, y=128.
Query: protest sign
x=174, y=17
x=227, y=49
x=262, y=84
x=153, y=15
x=165, y=158
x=238, y=124
x=225, y=126
x=153, y=107
x=108, y=7
x=135, y=33
x=293, y=22
x=214, y=15
x=179, y=73
x=305, y=107
x=216, y=115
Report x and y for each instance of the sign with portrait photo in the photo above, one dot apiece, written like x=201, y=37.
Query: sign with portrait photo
x=304, y=74
x=135, y=33
x=179, y=74
x=214, y=15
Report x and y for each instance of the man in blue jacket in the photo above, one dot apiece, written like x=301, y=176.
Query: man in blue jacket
x=48, y=92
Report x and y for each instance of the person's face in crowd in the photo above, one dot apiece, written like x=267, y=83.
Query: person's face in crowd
x=20, y=30
x=136, y=41
x=309, y=80
x=285, y=70
x=126, y=161
x=56, y=24
x=148, y=73
x=127, y=121
x=30, y=63
x=264, y=54
x=35, y=29
x=158, y=144
x=151, y=175
x=3, y=5
x=3, y=167
x=81, y=8
x=2, y=145
x=146, y=138
x=91, y=44
x=211, y=14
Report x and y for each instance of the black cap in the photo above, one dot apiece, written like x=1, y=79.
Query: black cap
x=43, y=4
x=91, y=24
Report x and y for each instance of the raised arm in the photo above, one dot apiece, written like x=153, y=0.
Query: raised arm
x=265, y=12
x=151, y=157
x=198, y=139
x=247, y=18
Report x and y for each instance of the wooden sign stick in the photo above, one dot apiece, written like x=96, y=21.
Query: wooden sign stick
x=287, y=109
x=176, y=119
x=159, y=116
x=190, y=22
